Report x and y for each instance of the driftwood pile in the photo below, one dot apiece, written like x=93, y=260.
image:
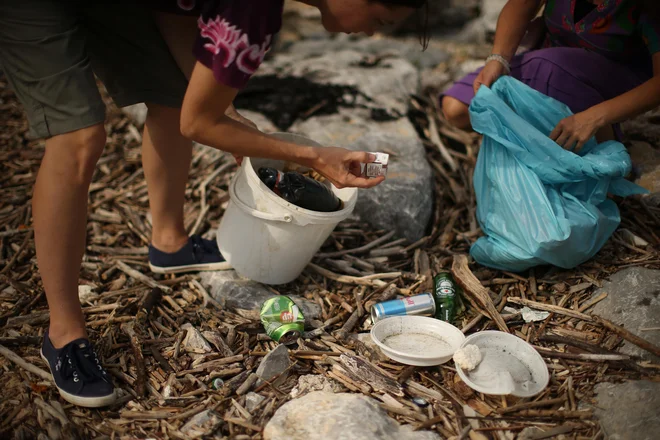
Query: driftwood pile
x=139, y=321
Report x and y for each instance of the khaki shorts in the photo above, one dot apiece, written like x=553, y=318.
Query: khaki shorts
x=50, y=51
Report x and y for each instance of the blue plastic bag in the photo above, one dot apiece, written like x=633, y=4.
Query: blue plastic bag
x=536, y=202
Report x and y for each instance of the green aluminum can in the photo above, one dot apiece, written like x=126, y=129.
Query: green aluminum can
x=282, y=319
x=446, y=294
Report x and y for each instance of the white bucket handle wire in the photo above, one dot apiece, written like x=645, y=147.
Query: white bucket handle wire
x=286, y=218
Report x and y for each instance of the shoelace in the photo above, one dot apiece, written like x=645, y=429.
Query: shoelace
x=81, y=363
x=200, y=247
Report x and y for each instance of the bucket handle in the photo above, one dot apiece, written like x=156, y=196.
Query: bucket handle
x=286, y=218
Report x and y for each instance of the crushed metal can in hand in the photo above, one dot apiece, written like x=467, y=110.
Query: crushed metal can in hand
x=377, y=167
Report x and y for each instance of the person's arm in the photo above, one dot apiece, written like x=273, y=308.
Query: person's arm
x=203, y=119
x=511, y=27
x=576, y=130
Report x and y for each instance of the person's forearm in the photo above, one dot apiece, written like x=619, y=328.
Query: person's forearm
x=227, y=134
x=512, y=25
x=631, y=104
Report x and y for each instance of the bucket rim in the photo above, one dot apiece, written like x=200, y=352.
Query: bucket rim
x=310, y=217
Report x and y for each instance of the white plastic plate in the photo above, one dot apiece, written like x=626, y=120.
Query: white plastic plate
x=417, y=340
x=509, y=365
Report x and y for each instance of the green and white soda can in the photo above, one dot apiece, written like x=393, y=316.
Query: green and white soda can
x=445, y=293
x=283, y=320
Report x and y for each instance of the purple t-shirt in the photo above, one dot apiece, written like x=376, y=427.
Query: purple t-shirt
x=234, y=36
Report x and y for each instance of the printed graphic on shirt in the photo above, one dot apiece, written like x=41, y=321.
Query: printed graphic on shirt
x=231, y=45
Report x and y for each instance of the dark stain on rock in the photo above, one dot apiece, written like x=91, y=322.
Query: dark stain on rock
x=644, y=302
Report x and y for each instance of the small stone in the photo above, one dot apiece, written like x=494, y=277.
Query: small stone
x=337, y=416
x=632, y=239
x=86, y=293
x=202, y=424
x=629, y=410
x=194, y=342
x=531, y=315
x=422, y=403
x=273, y=364
x=314, y=382
x=633, y=301
x=253, y=400
x=245, y=297
x=137, y=112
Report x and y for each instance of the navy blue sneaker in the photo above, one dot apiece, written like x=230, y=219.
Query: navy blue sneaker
x=198, y=254
x=78, y=374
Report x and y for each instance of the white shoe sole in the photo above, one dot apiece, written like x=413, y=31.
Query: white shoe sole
x=190, y=267
x=87, y=402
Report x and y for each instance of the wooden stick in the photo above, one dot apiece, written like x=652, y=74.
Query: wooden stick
x=369, y=280
x=528, y=405
x=628, y=336
x=586, y=414
x=208, y=299
x=471, y=285
x=550, y=308
x=434, y=137
x=140, y=276
x=24, y=364
x=359, y=250
x=136, y=344
x=581, y=356
x=18, y=253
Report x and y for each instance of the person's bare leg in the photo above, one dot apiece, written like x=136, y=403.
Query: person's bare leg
x=456, y=112
x=59, y=206
x=166, y=157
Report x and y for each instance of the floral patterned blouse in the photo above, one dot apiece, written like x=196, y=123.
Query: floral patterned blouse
x=618, y=29
x=234, y=36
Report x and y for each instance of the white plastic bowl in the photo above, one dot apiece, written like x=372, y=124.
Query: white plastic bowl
x=417, y=340
x=509, y=365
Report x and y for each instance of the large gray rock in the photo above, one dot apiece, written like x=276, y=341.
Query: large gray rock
x=630, y=410
x=137, y=113
x=403, y=202
x=346, y=127
x=273, y=364
x=245, y=296
x=633, y=301
x=442, y=14
x=482, y=28
x=327, y=416
x=388, y=83
x=411, y=49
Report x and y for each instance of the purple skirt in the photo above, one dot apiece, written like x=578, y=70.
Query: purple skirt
x=574, y=76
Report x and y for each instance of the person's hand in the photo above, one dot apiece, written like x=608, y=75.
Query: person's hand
x=489, y=74
x=342, y=167
x=574, y=131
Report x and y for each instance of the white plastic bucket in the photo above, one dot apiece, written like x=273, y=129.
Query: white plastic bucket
x=264, y=237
